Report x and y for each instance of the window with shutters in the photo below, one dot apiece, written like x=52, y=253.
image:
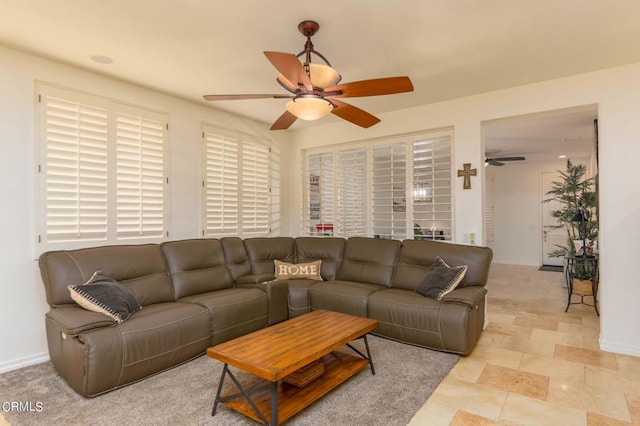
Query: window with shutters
x=238, y=190
x=432, y=190
x=352, y=192
x=320, y=197
x=140, y=176
x=398, y=188
x=389, y=191
x=101, y=170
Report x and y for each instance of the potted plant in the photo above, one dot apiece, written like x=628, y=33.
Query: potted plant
x=577, y=198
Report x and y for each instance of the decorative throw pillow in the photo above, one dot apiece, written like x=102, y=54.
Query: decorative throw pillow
x=287, y=271
x=105, y=295
x=441, y=279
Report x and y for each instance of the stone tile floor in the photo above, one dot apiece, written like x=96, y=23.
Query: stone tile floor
x=536, y=364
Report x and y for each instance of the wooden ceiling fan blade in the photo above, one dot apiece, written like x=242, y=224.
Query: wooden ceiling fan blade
x=284, y=121
x=290, y=67
x=375, y=87
x=353, y=114
x=241, y=97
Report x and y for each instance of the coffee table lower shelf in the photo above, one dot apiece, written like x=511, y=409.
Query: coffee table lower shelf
x=339, y=367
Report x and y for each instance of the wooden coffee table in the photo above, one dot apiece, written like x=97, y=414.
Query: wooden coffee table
x=277, y=351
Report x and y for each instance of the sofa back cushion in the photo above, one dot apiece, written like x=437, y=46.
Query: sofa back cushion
x=329, y=250
x=196, y=266
x=140, y=268
x=417, y=255
x=236, y=257
x=369, y=260
x=263, y=251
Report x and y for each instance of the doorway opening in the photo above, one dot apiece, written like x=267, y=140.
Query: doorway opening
x=515, y=217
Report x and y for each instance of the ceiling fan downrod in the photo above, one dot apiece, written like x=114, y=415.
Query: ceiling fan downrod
x=308, y=29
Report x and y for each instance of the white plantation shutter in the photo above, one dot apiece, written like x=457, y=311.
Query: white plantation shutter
x=489, y=206
x=237, y=185
x=276, y=188
x=432, y=174
x=352, y=192
x=140, y=176
x=75, y=168
x=101, y=170
x=221, y=200
x=321, y=194
x=388, y=191
x=255, y=188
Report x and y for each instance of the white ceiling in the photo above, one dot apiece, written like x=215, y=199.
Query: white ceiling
x=449, y=48
x=544, y=136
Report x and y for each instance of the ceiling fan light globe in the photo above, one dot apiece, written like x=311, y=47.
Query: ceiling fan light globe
x=323, y=76
x=309, y=108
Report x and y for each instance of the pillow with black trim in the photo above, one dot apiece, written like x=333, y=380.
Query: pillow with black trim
x=105, y=295
x=298, y=271
x=441, y=279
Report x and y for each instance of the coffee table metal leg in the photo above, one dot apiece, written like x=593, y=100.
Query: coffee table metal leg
x=274, y=403
x=367, y=356
x=242, y=393
x=366, y=345
x=215, y=403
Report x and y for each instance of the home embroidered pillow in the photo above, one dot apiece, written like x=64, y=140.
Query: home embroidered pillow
x=441, y=279
x=105, y=295
x=287, y=271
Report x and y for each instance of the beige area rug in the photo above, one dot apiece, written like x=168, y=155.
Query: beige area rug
x=405, y=377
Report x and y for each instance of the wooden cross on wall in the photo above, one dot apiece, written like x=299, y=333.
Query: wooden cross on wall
x=467, y=172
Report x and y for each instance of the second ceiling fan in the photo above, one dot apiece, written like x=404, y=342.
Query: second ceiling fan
x=314, y=87
x=499, y=161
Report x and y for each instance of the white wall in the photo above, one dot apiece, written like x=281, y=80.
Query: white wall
x=518, y=210
x=616, y=91
x=22, y=305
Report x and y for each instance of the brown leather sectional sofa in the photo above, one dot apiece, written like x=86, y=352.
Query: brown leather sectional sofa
x=200, y=292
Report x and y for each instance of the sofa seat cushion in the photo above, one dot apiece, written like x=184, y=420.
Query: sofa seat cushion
x=409, y=317
x=348, y=297
x=233, y=312
x=158, y=329
x=155, y=338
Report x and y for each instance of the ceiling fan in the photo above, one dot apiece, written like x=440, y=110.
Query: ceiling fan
x=314, y=87
x=498, y=161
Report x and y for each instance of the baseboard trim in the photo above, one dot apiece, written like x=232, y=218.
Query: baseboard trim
x=23, y=362
x=619, y=348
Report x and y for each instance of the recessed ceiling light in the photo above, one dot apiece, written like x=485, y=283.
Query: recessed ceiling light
x=102, y=59
x=562, y=156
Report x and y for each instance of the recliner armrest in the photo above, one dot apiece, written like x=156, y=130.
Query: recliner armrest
x=73, y=320
x=470, y=296
x=255, y=279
